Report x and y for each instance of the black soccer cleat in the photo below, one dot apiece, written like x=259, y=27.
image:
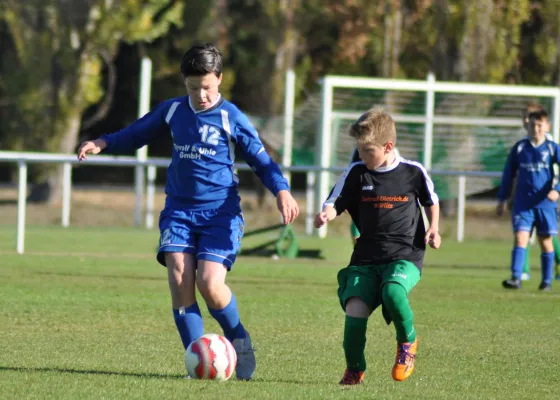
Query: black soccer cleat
x=545, y=287
x=512, y=284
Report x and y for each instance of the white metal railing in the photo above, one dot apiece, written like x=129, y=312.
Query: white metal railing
x=24, y=158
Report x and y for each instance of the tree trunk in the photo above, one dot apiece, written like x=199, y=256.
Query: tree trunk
x=49, y=190
x=397, y=33
x=387, y=41
x=476, y=41
x=442, y=64
x=558, y=59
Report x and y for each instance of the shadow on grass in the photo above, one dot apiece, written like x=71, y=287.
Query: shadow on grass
x=147, y=375
x=92, y=372
x=105, y=276
x=296, y=382
x=267, y=253
x=465, y=266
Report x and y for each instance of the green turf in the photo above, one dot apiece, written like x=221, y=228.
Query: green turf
x=85, y=314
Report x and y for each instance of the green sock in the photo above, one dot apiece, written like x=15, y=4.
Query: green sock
x=526, y=263
x=355, y=342
x=396, y=301
x=556, y=249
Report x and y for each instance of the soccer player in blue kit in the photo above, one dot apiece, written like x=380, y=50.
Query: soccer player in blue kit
x=535, y=199
x=202, y=224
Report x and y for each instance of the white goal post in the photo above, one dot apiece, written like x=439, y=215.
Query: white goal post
x=425, y=115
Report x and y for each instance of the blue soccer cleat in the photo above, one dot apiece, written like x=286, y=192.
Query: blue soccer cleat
x=246, y=362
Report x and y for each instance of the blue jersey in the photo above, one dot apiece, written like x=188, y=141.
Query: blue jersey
x=533, y=166
x=201, y=174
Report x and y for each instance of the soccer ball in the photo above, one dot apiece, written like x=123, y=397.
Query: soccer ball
x=210, y=357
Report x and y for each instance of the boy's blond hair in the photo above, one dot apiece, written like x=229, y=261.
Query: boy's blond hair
x=374, y=126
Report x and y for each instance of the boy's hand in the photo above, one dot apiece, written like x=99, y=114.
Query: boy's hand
x=553, y=195
x=90, y=147
x=287, y=206
x=328, y=214
x=500, y=209
x=433, y=238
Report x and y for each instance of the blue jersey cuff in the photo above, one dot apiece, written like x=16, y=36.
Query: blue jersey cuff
x=107, y=142
x=280, y=186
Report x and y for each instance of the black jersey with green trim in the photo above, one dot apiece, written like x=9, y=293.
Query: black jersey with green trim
x=384, y=205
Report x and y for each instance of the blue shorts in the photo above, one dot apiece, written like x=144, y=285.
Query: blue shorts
x=544, y=219
x=213, y=235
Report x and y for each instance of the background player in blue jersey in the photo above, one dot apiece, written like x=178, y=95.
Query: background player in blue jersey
x=201, y=225
x=531, y=160
x=525, y=276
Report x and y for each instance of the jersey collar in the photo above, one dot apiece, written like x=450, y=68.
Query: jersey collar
x=391, y=167
x=213, y=106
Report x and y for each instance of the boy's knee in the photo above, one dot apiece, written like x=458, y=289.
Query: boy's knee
x=357, y=308
x=210, y=287
x=393, y=293
x=522, y=238
x=174, y=265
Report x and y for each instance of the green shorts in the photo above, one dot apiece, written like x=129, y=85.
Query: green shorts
x=366, y=282
x=354, y=230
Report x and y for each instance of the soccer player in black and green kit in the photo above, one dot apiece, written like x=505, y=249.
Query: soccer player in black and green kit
x=354, y=232
x=382, y=193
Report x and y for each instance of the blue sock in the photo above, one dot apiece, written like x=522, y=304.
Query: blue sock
x=189, y=323
x=547, y=267
x=228, y=318
x=517, y=261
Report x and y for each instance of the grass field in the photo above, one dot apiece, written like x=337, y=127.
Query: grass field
x=85, y=314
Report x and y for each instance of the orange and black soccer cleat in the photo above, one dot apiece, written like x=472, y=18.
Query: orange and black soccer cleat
x=352, y=377
x=404, y=362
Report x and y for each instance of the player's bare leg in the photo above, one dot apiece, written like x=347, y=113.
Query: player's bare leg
x=222, y=305
x=181, y=273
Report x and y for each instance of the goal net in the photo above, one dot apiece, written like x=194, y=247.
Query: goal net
x=449, y=127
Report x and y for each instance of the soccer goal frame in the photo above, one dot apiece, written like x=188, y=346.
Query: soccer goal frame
x=430, y=87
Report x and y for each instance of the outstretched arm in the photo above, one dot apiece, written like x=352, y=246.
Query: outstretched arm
x=430, y=201
x=432, y=237
x=328, y=214
x=266, y=169
x=554, y=194
x=134, y=136
x=341, y=198
x=510, y=169
x=287, y=206
x=91, y=147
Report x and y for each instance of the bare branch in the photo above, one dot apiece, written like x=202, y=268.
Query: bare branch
x=105, y=105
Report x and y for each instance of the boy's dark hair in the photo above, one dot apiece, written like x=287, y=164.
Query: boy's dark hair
x=530, y=108
x=202, y=59
x=538, y=115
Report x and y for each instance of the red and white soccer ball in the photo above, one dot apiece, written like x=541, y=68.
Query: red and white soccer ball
x=211, y=357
